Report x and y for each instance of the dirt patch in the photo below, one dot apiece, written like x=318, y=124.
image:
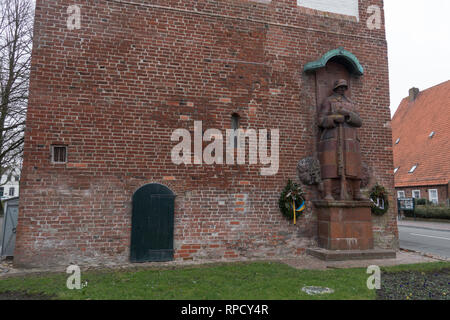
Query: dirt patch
x=11, y=295
x=415, y=285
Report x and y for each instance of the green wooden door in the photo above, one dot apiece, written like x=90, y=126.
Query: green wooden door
x=152, y=224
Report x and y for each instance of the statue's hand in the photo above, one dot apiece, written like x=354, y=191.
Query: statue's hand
x=343, y=112
x=339, y=118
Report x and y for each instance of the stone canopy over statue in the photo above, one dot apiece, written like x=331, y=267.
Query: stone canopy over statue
x=339, y=145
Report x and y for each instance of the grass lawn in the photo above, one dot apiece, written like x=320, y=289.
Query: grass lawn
x=246, y=281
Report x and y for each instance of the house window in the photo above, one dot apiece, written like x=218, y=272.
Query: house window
x=433, y=196
x=2, y=190
x=235, y=119
x=11, y=192
x=59, y=154
x=346, y=7
x=432, y=134
x=16, y=178
x=396, y=169
x=414, y=167
x=401, y=194
x=397, y=141
x=416, y=194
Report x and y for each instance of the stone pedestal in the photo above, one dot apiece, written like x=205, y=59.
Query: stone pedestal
x=345, y=225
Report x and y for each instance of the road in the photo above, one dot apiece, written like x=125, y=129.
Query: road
x=425, y=238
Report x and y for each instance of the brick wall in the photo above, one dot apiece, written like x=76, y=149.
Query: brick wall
x=115, y=90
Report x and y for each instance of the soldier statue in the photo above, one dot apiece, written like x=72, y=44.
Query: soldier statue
x=339, y=149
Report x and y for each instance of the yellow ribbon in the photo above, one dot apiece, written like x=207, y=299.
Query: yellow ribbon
x=293, y=206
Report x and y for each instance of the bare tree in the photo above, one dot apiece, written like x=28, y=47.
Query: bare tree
x=16, y=33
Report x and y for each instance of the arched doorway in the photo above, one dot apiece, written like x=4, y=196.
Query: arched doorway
x=152, y=224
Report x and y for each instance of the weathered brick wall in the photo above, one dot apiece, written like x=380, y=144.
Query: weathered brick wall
x=115, y=90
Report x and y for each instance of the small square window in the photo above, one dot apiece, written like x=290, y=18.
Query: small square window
x=11, y=192
x=59, y=154
x=401, y=194
x=416, y=194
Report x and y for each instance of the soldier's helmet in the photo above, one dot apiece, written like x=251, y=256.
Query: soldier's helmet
x=340, y=83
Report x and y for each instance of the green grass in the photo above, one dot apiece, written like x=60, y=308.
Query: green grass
x=247, y=281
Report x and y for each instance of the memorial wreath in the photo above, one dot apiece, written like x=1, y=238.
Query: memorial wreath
x=292, y=199
x=379, y=199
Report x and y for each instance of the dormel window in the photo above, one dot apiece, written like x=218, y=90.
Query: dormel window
x=414, y=167
x=345, y=7
x=395, y=170
x=397, y=141
x=59, y=154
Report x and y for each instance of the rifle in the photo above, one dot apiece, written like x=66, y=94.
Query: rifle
x=341, y=159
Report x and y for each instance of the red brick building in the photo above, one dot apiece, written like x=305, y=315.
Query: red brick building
x=106, y=98
x=421, y=140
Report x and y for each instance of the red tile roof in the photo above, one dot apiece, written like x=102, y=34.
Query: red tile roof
x=413, y=123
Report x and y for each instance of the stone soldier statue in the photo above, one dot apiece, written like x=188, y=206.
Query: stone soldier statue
x=339, y=149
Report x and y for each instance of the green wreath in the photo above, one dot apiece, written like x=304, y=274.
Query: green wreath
x=292, y=193
x=379, y=198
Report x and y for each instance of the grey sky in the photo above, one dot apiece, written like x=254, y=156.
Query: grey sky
x=418, y=34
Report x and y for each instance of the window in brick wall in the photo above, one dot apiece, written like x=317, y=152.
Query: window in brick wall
x=401, y=194
x=416, y=194
x=235, y=120
x=433, y=196
x=59, y=154
x=346, y=7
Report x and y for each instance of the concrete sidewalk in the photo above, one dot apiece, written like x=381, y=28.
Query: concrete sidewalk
x=432, y=225
x=302, y=262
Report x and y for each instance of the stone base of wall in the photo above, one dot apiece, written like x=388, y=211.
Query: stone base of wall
x=344, y=255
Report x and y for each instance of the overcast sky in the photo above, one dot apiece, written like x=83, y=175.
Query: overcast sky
x=418, y=34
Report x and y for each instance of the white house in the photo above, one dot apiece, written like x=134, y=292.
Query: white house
x=9, y=185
